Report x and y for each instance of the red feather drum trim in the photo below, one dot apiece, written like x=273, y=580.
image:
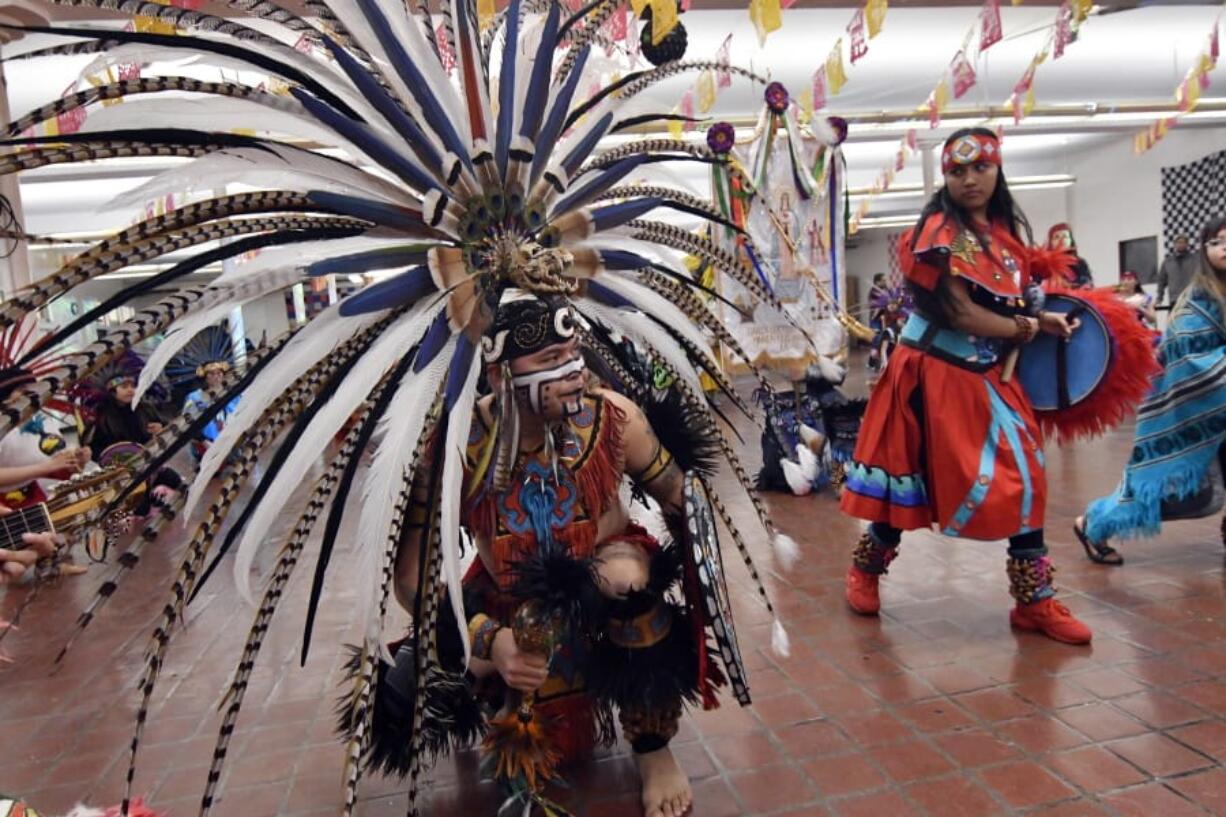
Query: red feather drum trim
x=1128, y=379
x=1052, y=266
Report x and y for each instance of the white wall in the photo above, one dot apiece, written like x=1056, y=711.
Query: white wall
x=265, y=314
x=1118, y=195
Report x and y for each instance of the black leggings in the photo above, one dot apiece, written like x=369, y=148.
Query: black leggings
x=1023, y=545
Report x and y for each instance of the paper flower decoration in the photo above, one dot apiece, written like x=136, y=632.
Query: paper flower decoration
x=777, y=97
x=721, y=137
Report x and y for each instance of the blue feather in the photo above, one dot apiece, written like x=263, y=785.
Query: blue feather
x=615, y=215
x=362, y=136
x=382, y=258
x=431, y=109
x=607, y=296
x=433, y=343
x=538, y=83
x=381, y=213
x=623, y=260
x=757, y=265
x=557, y=116
x=506, y=88
x=587, y=144
x=378, y=96
x=457, y=372
x=601, y=181
x=401, y=290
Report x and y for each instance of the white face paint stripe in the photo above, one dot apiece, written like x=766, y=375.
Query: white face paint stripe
x=535, y=382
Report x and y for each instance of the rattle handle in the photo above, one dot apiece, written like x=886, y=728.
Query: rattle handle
x=1006, y=373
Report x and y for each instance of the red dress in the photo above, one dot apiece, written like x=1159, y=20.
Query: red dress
x=944, y=442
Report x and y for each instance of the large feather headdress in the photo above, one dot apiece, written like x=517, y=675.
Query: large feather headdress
x=369, y=157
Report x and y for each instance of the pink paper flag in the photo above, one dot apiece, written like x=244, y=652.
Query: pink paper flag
x=1064, y=30
x=859, y=43
x=129, y=70
x=724, y=77
x=963, y=74
x=912, y=140
x=71, y=121
x=819, y=88
x=1215, y=46
x=934, y=112
x=687, y=106
x=992, y=31
x=1015, y=101
x=446, y=53
x=619, y=25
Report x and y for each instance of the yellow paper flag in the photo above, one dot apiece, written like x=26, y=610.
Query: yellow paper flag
x=767, y=16
x=706, y=91
x=675, y=126
x=1191, y=93
x=637, y=6
x=874, y=16
x=663, y=19
x=1028, y=102
x=485, y=13
x=1081, y=9
x=836, y=77
x=940, y=95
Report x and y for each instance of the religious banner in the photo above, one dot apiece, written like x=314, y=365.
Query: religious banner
x=798, y=230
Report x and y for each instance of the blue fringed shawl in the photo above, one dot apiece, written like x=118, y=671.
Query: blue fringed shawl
x=1179, y=426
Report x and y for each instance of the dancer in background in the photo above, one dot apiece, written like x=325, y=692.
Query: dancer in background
x=1060, y=237
x=1181, y=427
x=948, y=439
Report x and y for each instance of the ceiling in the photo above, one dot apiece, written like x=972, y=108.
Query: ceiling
x=1128, y=56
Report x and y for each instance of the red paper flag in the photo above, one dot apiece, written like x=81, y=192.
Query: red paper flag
x=859, y=43
x=446, y=53
x=992, y=31
x=1215, y=46
x=819, y=88
x=963, y=74
x=900, y=161
x=934, y=112
x=723, y=77
x=1203, y=80
x=1064, y=30
x=786, y=4
x=71, y=121
x=912, y=140
x=129, y=70
x=1015, y=101
x=1023, y=84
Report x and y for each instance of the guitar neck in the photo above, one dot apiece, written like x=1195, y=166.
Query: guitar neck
x=34, y=519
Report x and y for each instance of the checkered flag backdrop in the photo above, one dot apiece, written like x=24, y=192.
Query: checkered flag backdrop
x=1191, y=194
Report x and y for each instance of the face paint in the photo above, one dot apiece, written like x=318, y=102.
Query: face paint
x=535, y=383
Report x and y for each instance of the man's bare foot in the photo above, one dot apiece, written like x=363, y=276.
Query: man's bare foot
x=666, y=789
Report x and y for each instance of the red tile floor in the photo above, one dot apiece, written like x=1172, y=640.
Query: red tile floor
x=935, y=708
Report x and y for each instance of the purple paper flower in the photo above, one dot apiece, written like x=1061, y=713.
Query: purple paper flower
x=721, y=137
x=777, y=97
x=839, y=125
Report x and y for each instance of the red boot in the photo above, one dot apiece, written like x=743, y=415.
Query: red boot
x=1052, y=619
x=862, y=595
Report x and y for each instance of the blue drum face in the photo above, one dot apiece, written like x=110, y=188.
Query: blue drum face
x=1087, y=357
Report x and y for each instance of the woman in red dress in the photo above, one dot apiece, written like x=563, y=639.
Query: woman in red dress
x=949, y=438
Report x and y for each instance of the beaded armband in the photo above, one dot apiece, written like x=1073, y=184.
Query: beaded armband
x=481, y=632
x=1026, y=329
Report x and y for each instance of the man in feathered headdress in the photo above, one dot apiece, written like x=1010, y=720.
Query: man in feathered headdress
x=212, y=375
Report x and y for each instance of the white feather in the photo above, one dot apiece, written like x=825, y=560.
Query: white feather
x=781, y=645
x=813, y=438
x=398, y=432
x=280, y=116
x=220, y=304
x=452, y=489
x=807, y=460
x=641, y=330
x=317, y=339
x=787, y=552
x=300, y=256
x=830, y=369
x=658, y=307
x=360, y=381
x=255, y=168
x=795, y=477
